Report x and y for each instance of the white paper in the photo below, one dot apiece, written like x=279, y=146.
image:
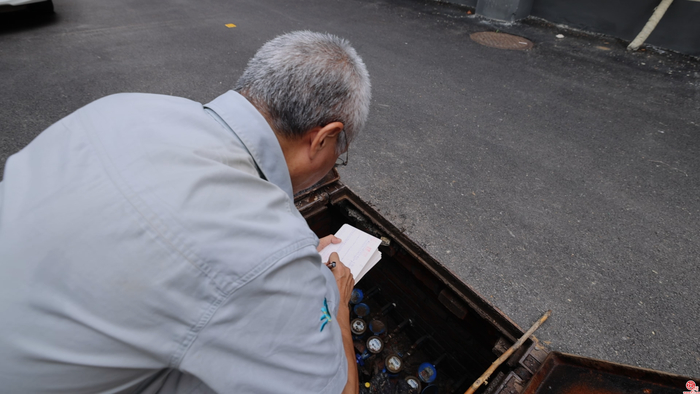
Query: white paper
x=371, y=263
x=358, y=250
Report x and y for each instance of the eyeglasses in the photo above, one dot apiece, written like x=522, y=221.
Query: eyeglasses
x=342, y=160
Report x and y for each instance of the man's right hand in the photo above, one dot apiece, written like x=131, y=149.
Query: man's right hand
x=343, y=278
x=345, y=282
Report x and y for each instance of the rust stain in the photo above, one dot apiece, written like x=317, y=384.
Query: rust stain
x=567, y=374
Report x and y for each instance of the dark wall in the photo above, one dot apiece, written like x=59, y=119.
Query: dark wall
x=679, y=29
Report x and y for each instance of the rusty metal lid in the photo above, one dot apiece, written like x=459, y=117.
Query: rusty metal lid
x=356, y=296
x=361, y=310
x=377, y=327
x=567, y=373
x=328, y=179
x=501, y=40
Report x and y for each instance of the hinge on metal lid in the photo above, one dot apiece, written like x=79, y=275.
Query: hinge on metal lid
x=328, y=179
x=501, y=346
x=533, y=357
x=512, y=384
x=320, y=197
x=452, y=303
x=495, y=383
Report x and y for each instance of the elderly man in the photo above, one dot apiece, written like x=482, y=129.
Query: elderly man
x=151, y=244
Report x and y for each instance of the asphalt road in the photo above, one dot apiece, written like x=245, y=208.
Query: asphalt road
x=565, y=177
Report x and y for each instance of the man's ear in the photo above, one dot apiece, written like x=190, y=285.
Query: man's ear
x=325, y=137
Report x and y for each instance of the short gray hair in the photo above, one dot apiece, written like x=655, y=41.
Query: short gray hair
x=303, y=80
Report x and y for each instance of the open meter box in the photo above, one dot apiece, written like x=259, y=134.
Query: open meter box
x=441, y=333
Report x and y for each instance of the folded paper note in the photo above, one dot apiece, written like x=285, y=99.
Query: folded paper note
x=358, y=250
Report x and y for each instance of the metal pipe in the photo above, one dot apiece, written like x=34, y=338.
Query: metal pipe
x=399, y=328
x=659, y=12
x=416, y=344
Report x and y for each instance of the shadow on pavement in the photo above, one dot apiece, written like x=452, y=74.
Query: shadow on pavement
x=12, y=21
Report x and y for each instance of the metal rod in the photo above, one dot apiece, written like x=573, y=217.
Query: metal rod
x=436, y=362
x=386, y=308
x=371, y=292
x=507, y=354
x=659, y=12
x=399, y=328
x=416, y=344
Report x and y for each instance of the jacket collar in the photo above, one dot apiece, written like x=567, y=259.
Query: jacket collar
x=255, y=133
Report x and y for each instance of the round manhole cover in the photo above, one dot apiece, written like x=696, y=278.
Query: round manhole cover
x=501, y=40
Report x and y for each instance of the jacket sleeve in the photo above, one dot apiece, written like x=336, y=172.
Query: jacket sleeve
x=269, y=336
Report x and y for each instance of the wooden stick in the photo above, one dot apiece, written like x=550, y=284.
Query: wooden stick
x=507, y=354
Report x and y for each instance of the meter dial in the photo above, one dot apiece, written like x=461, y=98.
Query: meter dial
x=427, y=372
x=375, y=344
x=393, y=363
x=358, y=326
x=414, y=383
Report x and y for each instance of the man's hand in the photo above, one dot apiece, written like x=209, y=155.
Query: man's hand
x=345, y=282
x=343, y=278
x=327, y=240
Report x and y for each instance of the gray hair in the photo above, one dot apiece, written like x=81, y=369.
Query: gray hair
x=302, y=80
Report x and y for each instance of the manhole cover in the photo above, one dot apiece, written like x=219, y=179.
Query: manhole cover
x=501, y=40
